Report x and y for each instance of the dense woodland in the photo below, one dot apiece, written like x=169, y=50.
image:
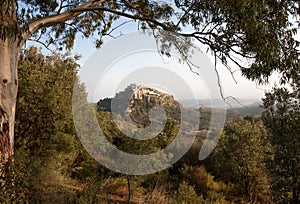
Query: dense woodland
x=256, y=160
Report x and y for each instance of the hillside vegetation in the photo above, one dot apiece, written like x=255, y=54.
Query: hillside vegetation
x=51, y=166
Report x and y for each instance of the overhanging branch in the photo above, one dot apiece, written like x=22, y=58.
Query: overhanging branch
x=127, y=15
x=56, y=19
x=95, y=5
x=67, y=15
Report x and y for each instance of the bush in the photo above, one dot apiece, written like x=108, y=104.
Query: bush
x=187, y=194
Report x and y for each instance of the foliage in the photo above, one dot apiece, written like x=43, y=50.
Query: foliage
x=16, y=184
x=260, y=31
x=52, y=167
x=45, y=135
x=203, y=183
x=196, y=176
x=282, y=118
x=92, y=18
x=44, y=118
x=239, y=158
x=125, y=143
x=186, y=193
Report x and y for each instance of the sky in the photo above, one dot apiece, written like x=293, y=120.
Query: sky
x=238, y=88
x=132, y=68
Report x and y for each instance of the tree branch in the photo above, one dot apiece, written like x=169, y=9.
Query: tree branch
x=134, y=17
x=186, y=12
x=42, y=43
x=56, y=19
x=67, y=15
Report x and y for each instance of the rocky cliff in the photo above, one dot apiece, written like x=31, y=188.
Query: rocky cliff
x=141, y=99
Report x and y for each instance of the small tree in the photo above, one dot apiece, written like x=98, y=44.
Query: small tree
x=239, y=158
x=282, y=118
x=44, y=122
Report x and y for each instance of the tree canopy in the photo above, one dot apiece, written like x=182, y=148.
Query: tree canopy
x=44, y=114
x=282, y=118
x=240, y=158
x=260, y=31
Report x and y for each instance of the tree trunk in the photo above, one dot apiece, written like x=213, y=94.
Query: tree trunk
x=8, y=77
x=129, y=189
x=8, y=95
x=295, y=188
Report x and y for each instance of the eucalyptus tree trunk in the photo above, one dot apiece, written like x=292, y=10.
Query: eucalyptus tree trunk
x=8, y=94
x=8, y=77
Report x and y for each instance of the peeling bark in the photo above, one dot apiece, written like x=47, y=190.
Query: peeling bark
x=8, y=80
x=8, y=95
x=4, y=135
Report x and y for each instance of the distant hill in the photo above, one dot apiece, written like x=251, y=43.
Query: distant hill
x=137, y=101
x=252, y=109
x=231, y=103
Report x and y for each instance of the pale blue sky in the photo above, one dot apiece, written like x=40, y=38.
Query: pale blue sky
x=244, y=88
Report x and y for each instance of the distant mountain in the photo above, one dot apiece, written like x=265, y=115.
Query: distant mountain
x=218, y=103
x=252, y=109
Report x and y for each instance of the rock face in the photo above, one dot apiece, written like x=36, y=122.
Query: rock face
x=152, y=97
x=145, y=98
x=137, y=101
